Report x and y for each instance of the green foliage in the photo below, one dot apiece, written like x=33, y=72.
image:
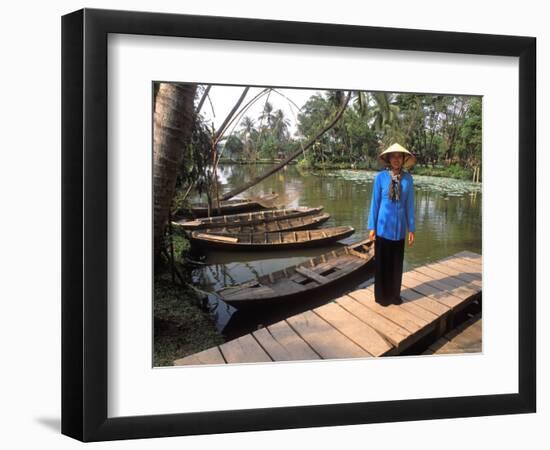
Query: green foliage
x=233, y=147
x=181, y=326
x=303, y=165
x=452, y=171
x=438, y=129
x=469, y=143
x=196, y=158
x=350, y=141
x=441, y=130
x=266, y=138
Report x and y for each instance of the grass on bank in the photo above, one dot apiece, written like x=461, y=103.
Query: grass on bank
x=181, y=325
x=452, y=171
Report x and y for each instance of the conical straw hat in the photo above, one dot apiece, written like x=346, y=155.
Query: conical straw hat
x=410, y=159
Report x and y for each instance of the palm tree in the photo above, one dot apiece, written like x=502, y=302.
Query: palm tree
x=387, y=122
x=247, y=132
x=361, y=103
x=339, y=133
x=267, y=115
x=280, y=126
x=298, y=150
x=247, y=126
x=335, y=98
x=172, y=129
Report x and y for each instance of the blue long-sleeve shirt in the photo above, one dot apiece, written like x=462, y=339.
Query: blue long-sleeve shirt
x=390, y=219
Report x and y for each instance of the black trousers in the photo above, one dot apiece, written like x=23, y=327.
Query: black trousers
x=388, y=270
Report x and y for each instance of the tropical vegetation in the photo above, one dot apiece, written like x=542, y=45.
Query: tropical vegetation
x=441, y=130
x=333, y=129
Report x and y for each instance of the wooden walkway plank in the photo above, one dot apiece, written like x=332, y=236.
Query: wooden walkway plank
x=442, y=346
x=464, y=273
x=190, y=360
x=451, y=347
x=446, y=275
x=294, y=344
x=470, y=256
x=244, y=350
x=392, y=312
x=415, y=310
x=418, y=311
x=439, y=294
x=449, y=275
x=350, y=326
x=392, y=332
x=461, y=292
x=466, y=338
x=209, y=356
x=323, y=338
x=464, y=267
x=476, y=266
x=474, y=263
x=460, y=279
x=422, y=316
x=470, y=338
x=467, y=334
x=274, y=349
x=354, y=325
x=415, y=326
x=411, y=296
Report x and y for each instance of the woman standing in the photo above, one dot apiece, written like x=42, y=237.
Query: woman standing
x=391, y=215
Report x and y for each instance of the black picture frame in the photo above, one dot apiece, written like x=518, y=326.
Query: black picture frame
x=84, y=224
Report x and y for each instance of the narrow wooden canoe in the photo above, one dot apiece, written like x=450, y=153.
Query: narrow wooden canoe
x=292, y=224
x=250, y=218
x=301, y=280
x=236, y=206
x=271, y=241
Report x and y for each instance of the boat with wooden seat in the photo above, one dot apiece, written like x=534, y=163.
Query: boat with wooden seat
x=292, y=224
x=250, y=218
x=291, y=283
x=283, y=240
x=235, y=206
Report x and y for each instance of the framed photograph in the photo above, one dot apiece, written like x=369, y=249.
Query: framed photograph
x=273, y=225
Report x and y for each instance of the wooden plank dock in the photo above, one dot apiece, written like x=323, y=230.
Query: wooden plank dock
x=355, y=326
x=466, y=338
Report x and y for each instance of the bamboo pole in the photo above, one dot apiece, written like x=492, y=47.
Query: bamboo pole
x=291, y=157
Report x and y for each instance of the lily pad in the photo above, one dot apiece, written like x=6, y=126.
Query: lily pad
x=446, y=186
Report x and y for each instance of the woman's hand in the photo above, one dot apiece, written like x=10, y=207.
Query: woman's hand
x=372, y=235
x=411, y=238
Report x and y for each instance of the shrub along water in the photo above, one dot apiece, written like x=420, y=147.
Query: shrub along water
x=182, y=325
x=452, y=171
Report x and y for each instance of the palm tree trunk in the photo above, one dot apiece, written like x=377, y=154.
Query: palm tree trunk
x=173, y=123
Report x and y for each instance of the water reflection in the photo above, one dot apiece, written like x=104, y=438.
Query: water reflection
x=448, y=220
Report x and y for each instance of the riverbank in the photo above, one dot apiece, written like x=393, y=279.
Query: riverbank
x=252, y=161
x=181, y=325
x=453, y=171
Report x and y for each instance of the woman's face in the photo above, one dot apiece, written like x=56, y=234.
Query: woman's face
x=396, y=160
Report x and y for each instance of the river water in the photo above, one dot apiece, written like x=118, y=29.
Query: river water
x=448, y=220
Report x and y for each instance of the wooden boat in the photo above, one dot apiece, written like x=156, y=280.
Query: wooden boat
x=236, y=206
x=282, y=240
x=301, y=280
x=250, y=218
x=292, y=224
